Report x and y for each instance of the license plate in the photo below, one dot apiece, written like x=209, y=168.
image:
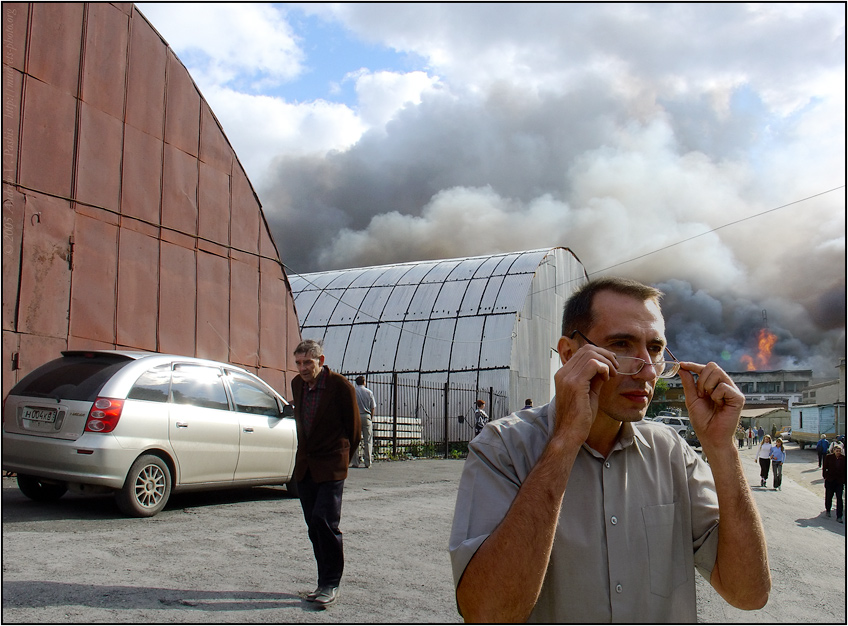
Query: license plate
x=36, y=414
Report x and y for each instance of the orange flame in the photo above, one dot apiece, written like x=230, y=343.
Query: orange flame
x=765, y=344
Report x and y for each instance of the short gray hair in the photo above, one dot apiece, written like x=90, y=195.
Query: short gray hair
x=310, y=347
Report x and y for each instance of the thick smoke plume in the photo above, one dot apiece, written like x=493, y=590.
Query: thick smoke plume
x=636, y=176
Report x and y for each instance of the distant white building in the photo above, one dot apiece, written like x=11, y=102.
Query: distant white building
x=491, y=321
x=763, y=390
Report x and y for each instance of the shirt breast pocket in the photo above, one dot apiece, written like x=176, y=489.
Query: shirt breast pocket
x=666, y=560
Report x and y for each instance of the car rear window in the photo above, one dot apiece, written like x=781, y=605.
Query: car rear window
x=72, y=377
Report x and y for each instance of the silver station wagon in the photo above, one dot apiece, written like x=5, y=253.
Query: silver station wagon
x=142, y=426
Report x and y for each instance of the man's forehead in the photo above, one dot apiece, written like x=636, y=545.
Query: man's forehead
x=618, y=313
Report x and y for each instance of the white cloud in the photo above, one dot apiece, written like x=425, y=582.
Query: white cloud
x=382, y=94
x=261, y=128
x=223, y=42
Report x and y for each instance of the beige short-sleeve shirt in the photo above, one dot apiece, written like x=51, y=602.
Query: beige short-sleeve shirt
x=632, y=529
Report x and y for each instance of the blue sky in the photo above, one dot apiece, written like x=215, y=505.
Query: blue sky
x=332, y=52
x=387, y=132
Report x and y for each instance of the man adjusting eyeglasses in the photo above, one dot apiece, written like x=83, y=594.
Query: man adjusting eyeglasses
x=579, y=511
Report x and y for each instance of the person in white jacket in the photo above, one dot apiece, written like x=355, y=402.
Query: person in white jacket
x=763, y=459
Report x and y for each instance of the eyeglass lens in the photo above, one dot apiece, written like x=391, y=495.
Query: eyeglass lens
x=630, y=365
x=634, y=365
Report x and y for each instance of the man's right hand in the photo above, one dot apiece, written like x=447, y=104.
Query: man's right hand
x=578, y=383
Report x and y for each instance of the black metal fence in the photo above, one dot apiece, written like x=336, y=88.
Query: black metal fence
x=427, y=419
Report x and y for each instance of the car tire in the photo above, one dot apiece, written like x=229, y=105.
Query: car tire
x=147, y=488
x=36, y=489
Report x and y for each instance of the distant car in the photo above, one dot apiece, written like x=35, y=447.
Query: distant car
x=691, y=438
x=144, y=425
x=680, y=424
x=785, y=434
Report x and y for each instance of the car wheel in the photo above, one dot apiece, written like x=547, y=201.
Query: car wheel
x=36, y=489
x=147, y=488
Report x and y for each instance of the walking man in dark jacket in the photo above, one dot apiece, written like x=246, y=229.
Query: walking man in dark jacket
x=833, y=472
x=328, y=432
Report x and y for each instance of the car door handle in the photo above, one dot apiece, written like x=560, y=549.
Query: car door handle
x=248, y=430
x=182, y=425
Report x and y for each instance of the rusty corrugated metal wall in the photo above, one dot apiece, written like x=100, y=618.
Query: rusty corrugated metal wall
x=128, y=220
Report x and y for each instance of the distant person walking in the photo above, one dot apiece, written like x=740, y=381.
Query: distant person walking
x=367, y=407
x=763, y=459
x=761, y=434
x=750, y=437
x=740, y=437
x=833, y=472
x=480, y=417
x=821, y=449
x=777, y=454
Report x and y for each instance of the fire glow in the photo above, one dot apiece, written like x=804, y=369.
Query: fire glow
x=762, y=360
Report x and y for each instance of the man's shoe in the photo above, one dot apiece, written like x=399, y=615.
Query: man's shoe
x=327, y=596
x=839, y=519
x=311, y=596
x=827, y=513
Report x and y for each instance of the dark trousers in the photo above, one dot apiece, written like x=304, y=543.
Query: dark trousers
x=764, y=468
x=777, y=470
x=322, y=510
x=833, y=488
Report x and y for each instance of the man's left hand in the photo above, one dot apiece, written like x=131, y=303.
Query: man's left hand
x=714, y=402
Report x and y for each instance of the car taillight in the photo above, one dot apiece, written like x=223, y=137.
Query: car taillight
x=104, y=415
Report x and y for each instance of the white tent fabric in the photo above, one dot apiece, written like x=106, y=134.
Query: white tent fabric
x=487, y=320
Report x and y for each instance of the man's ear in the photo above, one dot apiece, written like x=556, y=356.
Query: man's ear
x=566, y=348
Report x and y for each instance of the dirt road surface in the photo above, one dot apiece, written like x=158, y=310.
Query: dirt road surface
x=243, y=556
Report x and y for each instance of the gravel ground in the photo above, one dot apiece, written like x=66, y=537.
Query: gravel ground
x=243, y=556
x=238, y=556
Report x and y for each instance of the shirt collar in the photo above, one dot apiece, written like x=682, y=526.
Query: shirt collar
x=322, y=379
x=633, y=431
x=630, y=431
x=627, y=436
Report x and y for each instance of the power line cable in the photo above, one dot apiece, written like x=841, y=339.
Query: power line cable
x=707, y=232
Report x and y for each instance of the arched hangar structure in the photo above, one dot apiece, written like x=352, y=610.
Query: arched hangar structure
x=489, y=321
x=128, y=220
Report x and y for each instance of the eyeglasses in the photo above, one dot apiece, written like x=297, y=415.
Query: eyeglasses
x=632, y=365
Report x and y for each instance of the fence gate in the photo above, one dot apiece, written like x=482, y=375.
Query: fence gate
x=427, y=419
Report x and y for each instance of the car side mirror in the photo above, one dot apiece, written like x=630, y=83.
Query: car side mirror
x=288, y=410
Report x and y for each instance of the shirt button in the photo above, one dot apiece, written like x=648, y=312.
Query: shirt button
x=614, y=520
x=618, y=588
x=607, y=464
